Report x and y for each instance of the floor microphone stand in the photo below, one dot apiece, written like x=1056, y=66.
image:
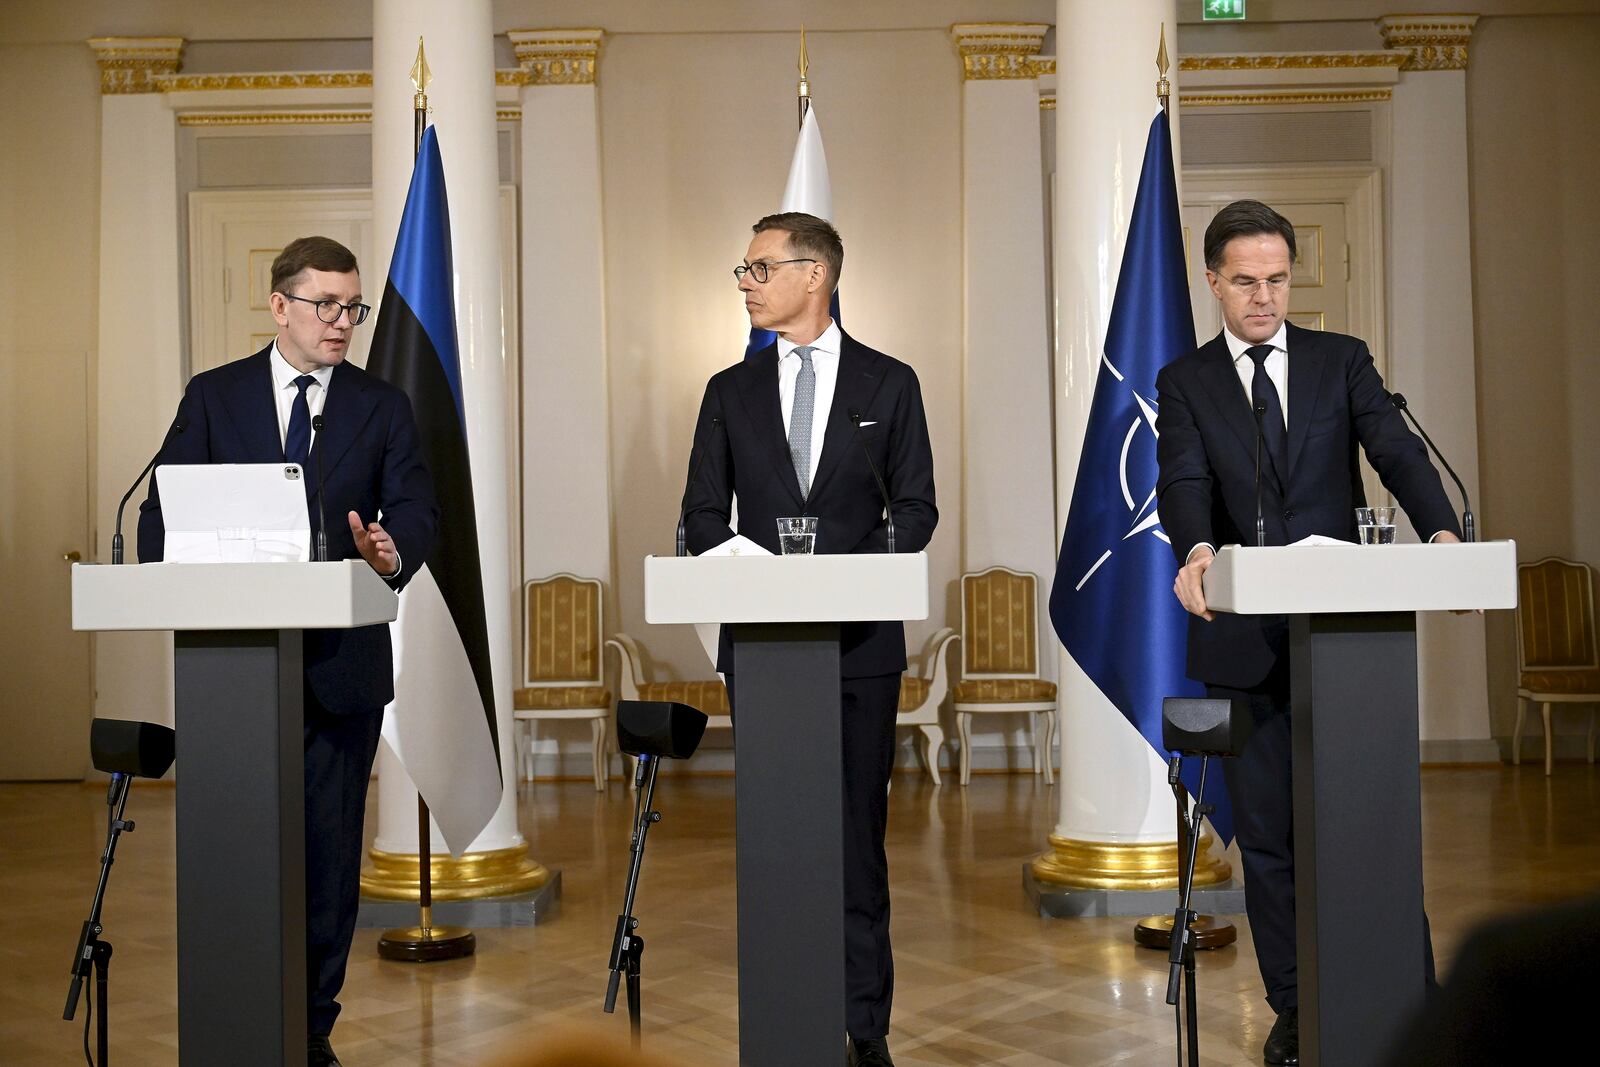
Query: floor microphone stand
x=1180, y=958
x=92, y=953
x=627, y=947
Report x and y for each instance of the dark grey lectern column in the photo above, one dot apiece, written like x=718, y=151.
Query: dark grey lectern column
x=789, y=815
x=241, y=848
x=1358, y=834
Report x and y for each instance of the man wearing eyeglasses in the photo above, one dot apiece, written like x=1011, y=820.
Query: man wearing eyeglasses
x=1312, y=396
x=295, y=398
x=784, y=432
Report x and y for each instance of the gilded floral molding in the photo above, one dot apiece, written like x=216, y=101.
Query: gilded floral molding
x=273, y=118
x=557, y=57
x=319, y=79
x=1293, y=61
x=1430, y=42
x=999, y=50
x=1252, y=99
x=133, y=64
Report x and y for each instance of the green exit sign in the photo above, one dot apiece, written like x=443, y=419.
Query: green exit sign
x=1221, y=10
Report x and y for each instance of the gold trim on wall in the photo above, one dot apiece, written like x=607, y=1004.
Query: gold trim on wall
x=1293, y=61
x=999, y=50
x=557, y=57
x=135, y=64
x=273, y=118
x=1256, y=99
x=1429, y=42
x=1047, y=103
x=288, y=79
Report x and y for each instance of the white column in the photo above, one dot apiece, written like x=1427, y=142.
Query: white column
x=1007, y=457
x=1431, y=357
x=566, y=506
x=140, y=371
x=459, y=40
x=1116, y=821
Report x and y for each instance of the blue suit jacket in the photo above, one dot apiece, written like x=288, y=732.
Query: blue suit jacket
x=1206, y=447
x=747, y=454
x=372, y=464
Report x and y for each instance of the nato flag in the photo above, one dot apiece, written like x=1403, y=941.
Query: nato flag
x=1112, y=602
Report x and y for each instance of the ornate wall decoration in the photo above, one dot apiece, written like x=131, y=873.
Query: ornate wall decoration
x=1293, y=61
x=996, y=50
x=133, y=64
x=557, y=57
x=318, y=79
x=273, y=118
x=1260, y=99
x=1430, y=42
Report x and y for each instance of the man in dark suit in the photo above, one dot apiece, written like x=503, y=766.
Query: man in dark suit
x=779, y=432
x=380, y=503
x=1319, y=397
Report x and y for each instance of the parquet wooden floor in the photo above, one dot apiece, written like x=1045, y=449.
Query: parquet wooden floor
x=979, y=979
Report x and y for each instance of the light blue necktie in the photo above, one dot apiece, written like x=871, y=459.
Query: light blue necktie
x=805, y=402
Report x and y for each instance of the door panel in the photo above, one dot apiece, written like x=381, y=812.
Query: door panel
x=46, y=699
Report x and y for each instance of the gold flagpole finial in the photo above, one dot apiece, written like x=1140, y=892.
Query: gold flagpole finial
x=1163, y=86
x=804, y=89
x=420, y=74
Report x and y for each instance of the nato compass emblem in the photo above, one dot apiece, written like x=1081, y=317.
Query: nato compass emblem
x=1138, y=454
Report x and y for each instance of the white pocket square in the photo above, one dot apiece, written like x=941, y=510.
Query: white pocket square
x=864, y=425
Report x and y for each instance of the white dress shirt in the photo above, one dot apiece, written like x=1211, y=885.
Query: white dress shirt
x=1277, y=366
x=284, y=391
x=825, y=362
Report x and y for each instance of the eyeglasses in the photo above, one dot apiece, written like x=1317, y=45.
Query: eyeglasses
x=1277, y=283
x=330, y=310
x=761, y=270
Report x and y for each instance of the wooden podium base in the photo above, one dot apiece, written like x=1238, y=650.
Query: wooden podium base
x=1209, y=932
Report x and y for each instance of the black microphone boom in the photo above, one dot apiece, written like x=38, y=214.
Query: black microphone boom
x=1469, y=525
x=1261, y=525
x=682, y=546
x=322, y=522
x=179, y=424
x=888, y=514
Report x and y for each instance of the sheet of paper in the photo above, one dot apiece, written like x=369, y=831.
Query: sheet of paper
x=1318, y=539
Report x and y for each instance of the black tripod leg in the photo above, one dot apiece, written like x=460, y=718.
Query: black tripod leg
x=102, y=965
x=1191, y=1004
x=635, y=1008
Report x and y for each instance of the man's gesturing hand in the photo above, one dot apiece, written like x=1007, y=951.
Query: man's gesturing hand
x=1191, y=594
x=375, y=546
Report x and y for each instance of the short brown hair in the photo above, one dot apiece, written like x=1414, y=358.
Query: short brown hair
x=809, y=236
x=310, y=253
x=1244, y=218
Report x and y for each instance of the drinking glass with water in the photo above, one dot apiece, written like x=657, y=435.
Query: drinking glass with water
x=797, y=536
x=1375, y=526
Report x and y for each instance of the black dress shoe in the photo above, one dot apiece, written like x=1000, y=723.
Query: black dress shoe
x=868, y=1052
x=319, y=1053
x=1283, y=1044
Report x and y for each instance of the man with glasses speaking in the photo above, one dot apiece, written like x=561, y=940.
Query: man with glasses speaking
x=1302, y=400
x=294, y=396
x=788, y=432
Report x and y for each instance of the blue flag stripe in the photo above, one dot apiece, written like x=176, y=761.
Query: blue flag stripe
x=423, y=270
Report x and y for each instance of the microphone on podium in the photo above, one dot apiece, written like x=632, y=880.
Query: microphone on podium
x=683, y=507
x=1261, y=525
x=888, y=513
x=322, y=522
x=179, y=424
x=1469, y=525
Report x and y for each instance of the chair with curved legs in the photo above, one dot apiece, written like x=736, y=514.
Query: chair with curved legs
x=1557, y=657
x=1000, y=662
x=564, y=670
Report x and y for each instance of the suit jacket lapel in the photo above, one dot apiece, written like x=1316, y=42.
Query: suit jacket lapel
x=1221, y=381
x=758, y=385
x=857, y=383
x=250, y=405
x=348, y=408
x=1306, y=371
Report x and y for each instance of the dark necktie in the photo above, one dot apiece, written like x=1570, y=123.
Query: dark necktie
x=297, y=441
x=1264, y=393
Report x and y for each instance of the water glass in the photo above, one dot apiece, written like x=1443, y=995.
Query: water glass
x=1383, y=526
x=797, y=536
x=236, y=544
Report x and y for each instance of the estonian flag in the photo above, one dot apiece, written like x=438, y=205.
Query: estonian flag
x=808, y=191
x=444, y=730
x=1112, y=602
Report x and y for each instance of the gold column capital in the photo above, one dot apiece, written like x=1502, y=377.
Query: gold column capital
x=1431, y=42
x=558, y=57
x=995, y=50
x=131, y=64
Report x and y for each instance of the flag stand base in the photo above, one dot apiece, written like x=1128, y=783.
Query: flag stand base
x=425, y=944
x=1209, y=932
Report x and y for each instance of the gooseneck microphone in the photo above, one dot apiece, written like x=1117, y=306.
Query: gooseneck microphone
x=179, y=424
x=322, y=522
x=1469, y=525
x=683, y=506
x=888, y=514
x=1261, y=525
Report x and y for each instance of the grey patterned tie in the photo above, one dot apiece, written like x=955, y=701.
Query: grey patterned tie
x=805, y=401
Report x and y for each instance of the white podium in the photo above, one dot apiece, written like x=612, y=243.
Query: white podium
x=1361, y=933
x=241, y=796
x=785, y=612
